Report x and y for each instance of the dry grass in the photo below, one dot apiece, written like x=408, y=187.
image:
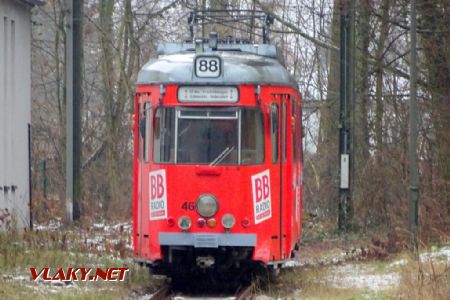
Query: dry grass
x=424, y=280
x=313, y=283
x=399, y=277
x=63, y=248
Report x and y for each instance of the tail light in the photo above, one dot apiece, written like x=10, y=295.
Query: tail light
x=211, y=223
x=201, y=222
x=245, y=223
x=170, y=222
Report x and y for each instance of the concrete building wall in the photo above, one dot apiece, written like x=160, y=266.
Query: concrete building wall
x=15, y=113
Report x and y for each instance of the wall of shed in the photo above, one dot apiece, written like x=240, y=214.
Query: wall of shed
x=15, y=114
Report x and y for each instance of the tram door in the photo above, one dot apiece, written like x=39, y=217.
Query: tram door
x=281, y=171
x=145, y=121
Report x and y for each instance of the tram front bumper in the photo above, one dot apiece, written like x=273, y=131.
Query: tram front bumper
x=207, y=240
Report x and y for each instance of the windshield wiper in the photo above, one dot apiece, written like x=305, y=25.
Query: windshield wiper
x=221, y=156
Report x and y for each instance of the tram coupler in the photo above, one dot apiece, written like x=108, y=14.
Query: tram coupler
x=205, y=262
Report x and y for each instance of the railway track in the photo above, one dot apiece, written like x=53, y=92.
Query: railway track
x=245, y=293
x=162, y=293
x=165, y=292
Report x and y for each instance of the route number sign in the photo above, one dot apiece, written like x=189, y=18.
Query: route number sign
x=207, y=66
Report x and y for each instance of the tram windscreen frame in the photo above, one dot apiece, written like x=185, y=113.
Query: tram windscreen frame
x=209, y=136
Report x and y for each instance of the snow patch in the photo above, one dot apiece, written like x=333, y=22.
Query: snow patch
x=52, y=225
x=398, y=263
x=292, y=264
x=361, y=277
x=19, y=278
x=98, y=226
x=440, y=254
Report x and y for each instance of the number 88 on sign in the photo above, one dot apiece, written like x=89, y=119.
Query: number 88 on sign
x=207, y=66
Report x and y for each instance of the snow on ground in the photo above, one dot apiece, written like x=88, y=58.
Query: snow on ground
x=107, y=234
x=436, y=254
x=40, y=285
x=360, y=276
x=98, y=226
x=398, y=263
x=342, y=271
x=52, y=225
x=101, y=238
x=292, y=264
x=363, y=276
x=17, y=278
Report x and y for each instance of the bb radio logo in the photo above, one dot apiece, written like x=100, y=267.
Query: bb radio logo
x=158, y=195
x=79, y=274
x=261, y=196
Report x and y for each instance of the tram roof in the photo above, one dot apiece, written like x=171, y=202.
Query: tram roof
x=242, y=64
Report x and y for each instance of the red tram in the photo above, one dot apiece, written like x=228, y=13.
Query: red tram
x=217, y=158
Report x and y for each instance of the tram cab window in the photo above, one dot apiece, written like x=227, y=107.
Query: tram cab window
x=164, y=135
x=219, y=136
x=252, y=137
x=207, y=136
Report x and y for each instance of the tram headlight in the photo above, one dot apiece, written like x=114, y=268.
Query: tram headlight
x=207, y=205
x=184, y=223
x=228, y=221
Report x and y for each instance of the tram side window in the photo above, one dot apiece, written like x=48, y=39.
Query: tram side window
x=164, y=137
x=141, y=131
x=283, y=131
x=300, y=134
x=274, y=131
x=147, y=130
x=252, y=137
x=294, y=131
x=298, y=128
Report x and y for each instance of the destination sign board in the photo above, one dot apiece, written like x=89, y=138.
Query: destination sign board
x=203, y=94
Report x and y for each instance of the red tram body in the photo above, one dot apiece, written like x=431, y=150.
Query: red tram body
x=217, y=158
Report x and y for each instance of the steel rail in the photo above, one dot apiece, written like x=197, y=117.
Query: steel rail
x=162, y=293
x=245, y=293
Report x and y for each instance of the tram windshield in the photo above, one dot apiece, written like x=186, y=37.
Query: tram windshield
x=208, y=136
